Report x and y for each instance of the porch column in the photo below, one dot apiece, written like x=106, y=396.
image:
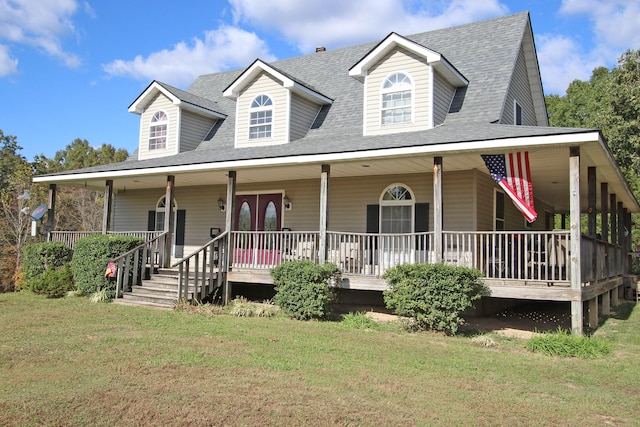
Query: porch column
x=51, y=211
x=229, y=226
x=168, y=223
x=437, y=208
x=108, y=202
x=627, y=240
x=604, y=223
x=606, y=303
x=614, y=296
x=324, y=217
x=575, y=261
x=613, y=220
x=621, y=239
x=591, y=218
x=593, y=312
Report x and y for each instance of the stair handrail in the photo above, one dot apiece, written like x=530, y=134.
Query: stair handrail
x=203, y=266
x=140, y=254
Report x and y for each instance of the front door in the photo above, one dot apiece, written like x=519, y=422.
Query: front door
x=256, y=213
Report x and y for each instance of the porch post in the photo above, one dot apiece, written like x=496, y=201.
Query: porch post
x=168, y=223
x=591, y=219
x=437, y=208
x=627, y=240
x=324, y=208
x=613, y=218
x=574, y=212
x=604, y=224
x=621, y=240
x=51, y=211
x=229, y=217
x=108, y=201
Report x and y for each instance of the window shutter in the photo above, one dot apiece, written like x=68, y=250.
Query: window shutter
x=151, y=221
x=180, y=225
x=421, y=223
x=373, y=218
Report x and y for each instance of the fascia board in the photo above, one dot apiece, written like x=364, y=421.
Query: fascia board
x=145, y=97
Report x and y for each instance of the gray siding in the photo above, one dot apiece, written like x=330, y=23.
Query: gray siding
x=443, y=93
x=303, y=113
x=193, y=129
x=520, y=91
x=160, y=102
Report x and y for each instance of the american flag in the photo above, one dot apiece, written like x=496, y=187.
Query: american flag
x=511, y=172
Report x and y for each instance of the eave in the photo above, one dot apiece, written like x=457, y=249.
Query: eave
x=142, y=101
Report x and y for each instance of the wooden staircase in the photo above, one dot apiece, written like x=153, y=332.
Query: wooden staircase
x=160, y=291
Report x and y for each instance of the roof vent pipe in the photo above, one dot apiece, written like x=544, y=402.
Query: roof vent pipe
x=321, y=49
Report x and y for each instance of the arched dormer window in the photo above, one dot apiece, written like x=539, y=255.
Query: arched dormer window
x=396, y=209
x=261, y=117
x=397, y=99
x=158, y=131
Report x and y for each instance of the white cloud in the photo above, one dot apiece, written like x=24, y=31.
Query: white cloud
x=335, y=23
x=40, y=24
x=8, y=65
x=224, y=48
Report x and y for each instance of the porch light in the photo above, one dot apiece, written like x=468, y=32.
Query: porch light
x=287, y=202
x=221, y=204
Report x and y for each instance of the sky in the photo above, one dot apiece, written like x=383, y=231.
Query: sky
x=70, y=68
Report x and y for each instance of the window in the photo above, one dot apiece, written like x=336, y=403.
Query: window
x=499, y=211
x=517, y=113
x=397, y=94
x=261, y=117
x=161, y=208
x=158, y=131
x=396, y=210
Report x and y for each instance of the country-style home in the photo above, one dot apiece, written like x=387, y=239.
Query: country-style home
x=370, y=156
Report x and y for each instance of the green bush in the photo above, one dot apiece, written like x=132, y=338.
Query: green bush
x=562, y=343
x=359, y=320
x=90, y=259
x=303, y=289
x=40, y=259
x=54, y=282
x=432, y=296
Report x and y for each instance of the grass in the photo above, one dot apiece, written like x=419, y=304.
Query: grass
x=70, y=362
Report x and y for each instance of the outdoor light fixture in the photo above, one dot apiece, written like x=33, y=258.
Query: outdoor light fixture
x=221, y=204
x=287, y=202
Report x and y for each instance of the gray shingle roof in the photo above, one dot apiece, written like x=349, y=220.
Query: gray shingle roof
x=484, y=52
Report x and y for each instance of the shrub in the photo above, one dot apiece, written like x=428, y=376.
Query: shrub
x=303, y=289
x=562, y=343
x=55, y=282
x=359, y=320
x=432, y=296
x=242, y=307
x=45, y=268
x=90, y=259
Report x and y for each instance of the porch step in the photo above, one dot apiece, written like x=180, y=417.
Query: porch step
x=159, y=291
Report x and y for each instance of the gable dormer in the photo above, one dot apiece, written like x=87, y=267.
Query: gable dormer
x=272, y=107
x=408, y=87
x=172, y=121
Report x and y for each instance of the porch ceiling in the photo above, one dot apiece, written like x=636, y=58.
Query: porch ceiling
x=549, y=168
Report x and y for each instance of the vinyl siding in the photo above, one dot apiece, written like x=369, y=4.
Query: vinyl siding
x=267, y=85
x=193, y=130
x=398, y=61
x=160, y=102
x=520, y=91
x=303, y=113
x=443, y=93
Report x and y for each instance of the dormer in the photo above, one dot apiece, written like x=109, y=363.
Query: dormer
x=272, y=107
x=408, y=87
x=172, y=121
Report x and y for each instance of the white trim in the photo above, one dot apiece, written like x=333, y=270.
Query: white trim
x=287, y=119
x=138, y=106
x=439, y=149
x=432, y=85
x=383, y=92
x=365, y=110
x=411, y=203
x=178, y=130
x=515, y=109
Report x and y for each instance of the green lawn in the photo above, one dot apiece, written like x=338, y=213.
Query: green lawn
x=70, y=362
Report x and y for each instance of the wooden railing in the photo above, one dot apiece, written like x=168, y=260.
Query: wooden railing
x=70, y=238
x=601, y=259
x=203, y=271
x=132, y=265
x=266, y=249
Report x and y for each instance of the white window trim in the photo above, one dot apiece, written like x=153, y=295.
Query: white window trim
x=259, y=109
x=158, y=123
x=383, y=91
x=411, y=203
x=516, y=105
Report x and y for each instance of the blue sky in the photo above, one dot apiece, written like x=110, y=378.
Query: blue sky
x=70, y=68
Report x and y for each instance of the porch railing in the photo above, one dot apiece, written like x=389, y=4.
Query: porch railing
x=266, y=249
x=203, y=271
x=140, y=262
x=69, y=238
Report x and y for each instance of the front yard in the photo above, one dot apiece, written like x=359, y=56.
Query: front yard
x=70, y=362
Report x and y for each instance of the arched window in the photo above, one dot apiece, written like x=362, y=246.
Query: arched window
x=158, y=131
x=261, y=117
x=396, y=209
x=397, y=99
x=161, y=208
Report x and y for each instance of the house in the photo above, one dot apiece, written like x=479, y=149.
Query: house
x=370, y=156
